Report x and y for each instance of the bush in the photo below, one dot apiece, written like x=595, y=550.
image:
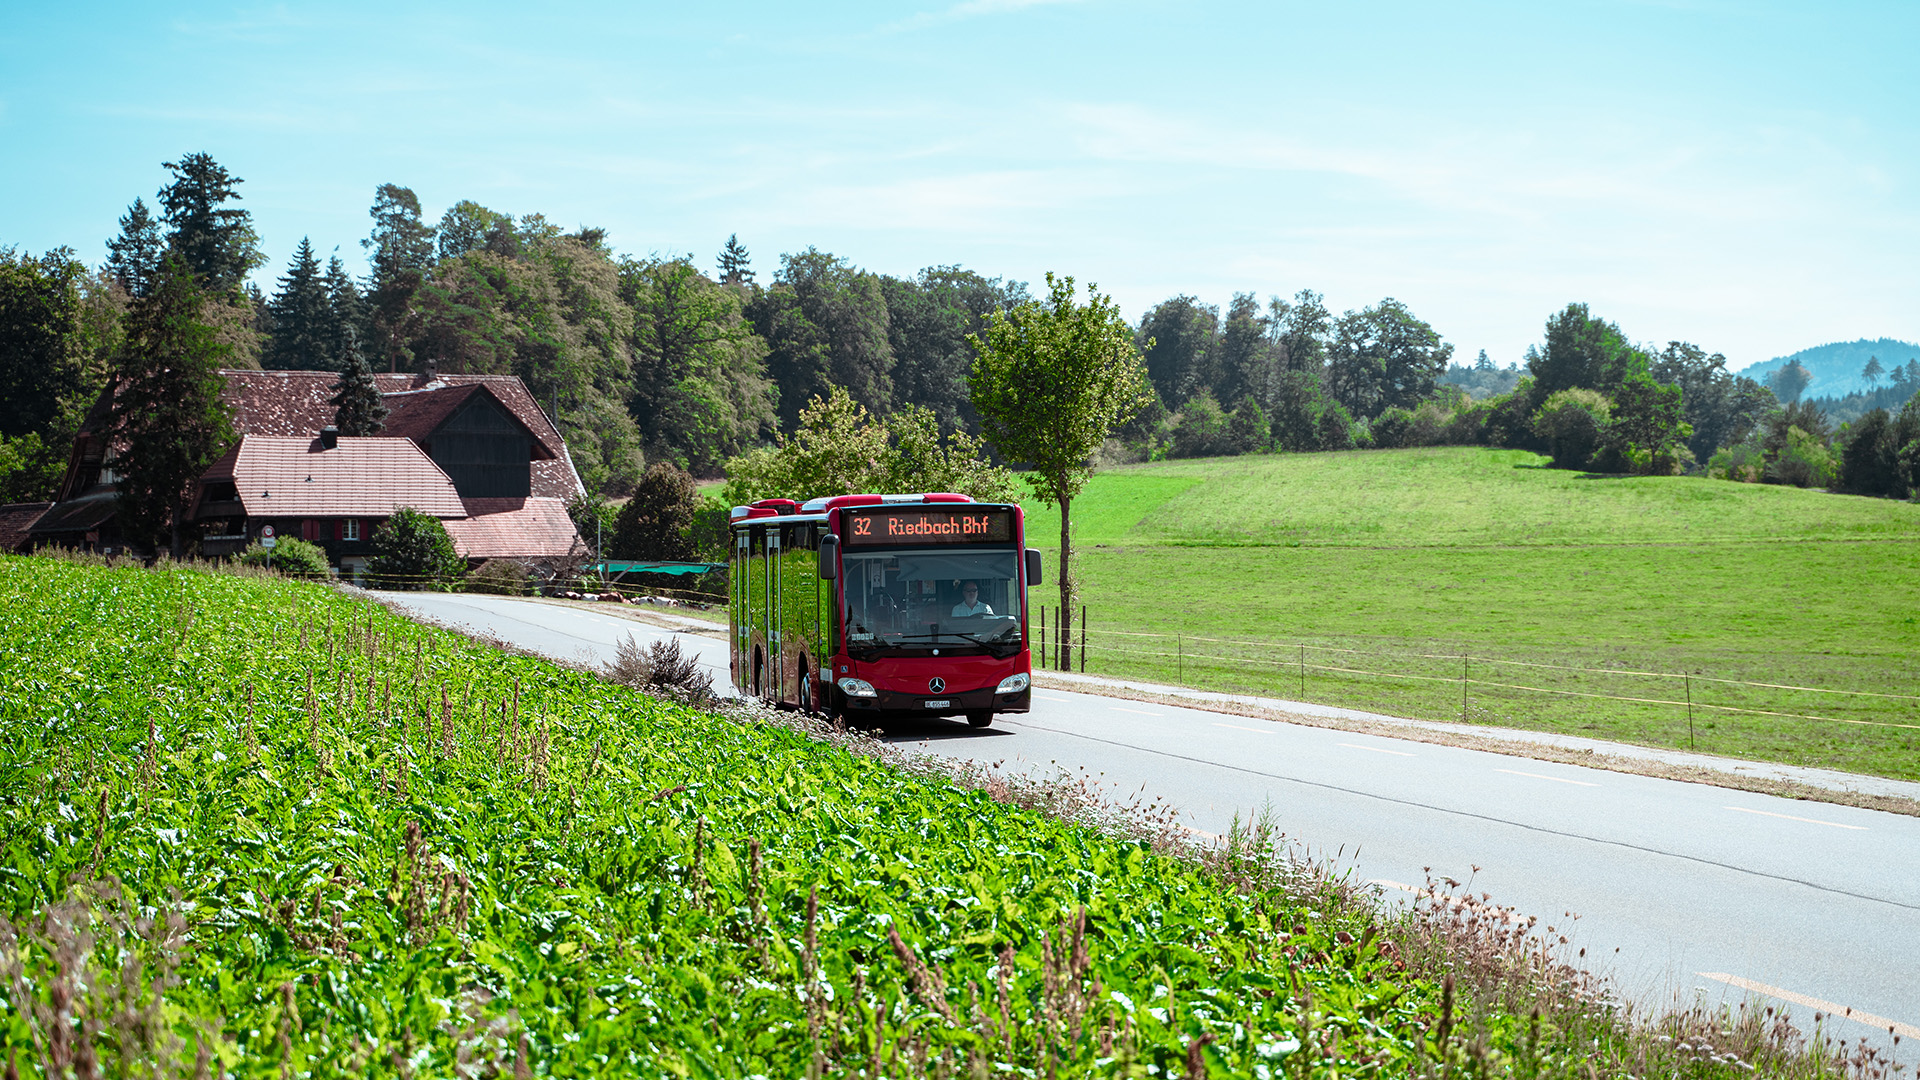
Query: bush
x=294, y=558
x=1392, y=428
x=499, y=577
x=1573, y=423
x=661, y=666
x=1805, y=462
x=654, y=524
x=1333, y=428
x=413, y=551
x=1201, y=429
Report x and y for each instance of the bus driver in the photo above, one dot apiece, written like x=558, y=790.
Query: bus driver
x=970, y=602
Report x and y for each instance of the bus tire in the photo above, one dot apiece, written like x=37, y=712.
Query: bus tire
x=806, y=691
x=979, y=719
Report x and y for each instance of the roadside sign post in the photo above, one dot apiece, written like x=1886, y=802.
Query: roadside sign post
x=266, y=537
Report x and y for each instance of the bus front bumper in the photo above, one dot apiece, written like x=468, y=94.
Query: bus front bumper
x=893, y=703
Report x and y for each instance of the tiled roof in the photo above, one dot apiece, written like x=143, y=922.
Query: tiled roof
x=370, y=477
x=15, y=520
x=296, y=403
x=78, y=515
x=536, y=528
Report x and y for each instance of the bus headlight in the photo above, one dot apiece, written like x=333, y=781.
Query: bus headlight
x=856, y=688
x=1012, y=684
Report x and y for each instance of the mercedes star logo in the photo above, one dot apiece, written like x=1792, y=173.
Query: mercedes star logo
x=936, y=686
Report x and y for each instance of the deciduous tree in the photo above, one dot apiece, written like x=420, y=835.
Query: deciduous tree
x=412, y=550
x=699, y=390
x=654, y=523
x=840, y=448
x=825, y=325
x=1180, y=339
x=1053, y=378
x=1384, y=357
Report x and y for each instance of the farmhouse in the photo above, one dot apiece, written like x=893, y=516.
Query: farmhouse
x=475, y=451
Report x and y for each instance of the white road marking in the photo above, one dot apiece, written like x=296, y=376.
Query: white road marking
x=1790, y=817
x=1828, y=1007
x=1543, y=776
x=1375, y=749
x=1136, y=712
x=1391, y=884
x=1237, y=727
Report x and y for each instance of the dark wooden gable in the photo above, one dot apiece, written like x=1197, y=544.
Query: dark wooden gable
x=484, y=451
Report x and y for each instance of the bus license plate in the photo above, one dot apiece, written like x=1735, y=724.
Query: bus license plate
x=939, y=704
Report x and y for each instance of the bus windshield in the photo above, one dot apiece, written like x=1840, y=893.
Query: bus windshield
x=912, y=601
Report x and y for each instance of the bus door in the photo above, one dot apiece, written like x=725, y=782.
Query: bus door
x=742, y=621
x=771, y=683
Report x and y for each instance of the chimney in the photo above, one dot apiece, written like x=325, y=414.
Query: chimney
x=329, y=437
x=429, y=372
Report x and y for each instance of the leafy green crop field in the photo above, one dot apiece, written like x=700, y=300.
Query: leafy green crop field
x=261, y=824
x=1639, y=609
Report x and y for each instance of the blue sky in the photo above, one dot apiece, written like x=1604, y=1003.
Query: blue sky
x=1742, y=175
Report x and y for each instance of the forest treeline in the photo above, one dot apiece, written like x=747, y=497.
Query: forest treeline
x=653, y=358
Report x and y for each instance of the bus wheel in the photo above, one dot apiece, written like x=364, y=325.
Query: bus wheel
x=979, y=719
x=759, y=676
x=806, y=693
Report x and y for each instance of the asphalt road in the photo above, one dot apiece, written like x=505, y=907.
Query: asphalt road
x=1681, y=889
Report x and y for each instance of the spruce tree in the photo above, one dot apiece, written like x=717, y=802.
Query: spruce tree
x=358, y=408
x=734, y=268
x=133, y=257
x=218, y=245
x=301, y=317
x=347, y=315
x=168, y=419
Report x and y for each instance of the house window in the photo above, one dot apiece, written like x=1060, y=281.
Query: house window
x=350, y=529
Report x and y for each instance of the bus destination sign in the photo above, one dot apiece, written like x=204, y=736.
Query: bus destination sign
x=929, y=526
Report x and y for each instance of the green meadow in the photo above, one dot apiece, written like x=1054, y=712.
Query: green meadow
x=1640, y=609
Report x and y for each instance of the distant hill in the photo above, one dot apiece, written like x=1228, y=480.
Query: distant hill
x=1836, y=367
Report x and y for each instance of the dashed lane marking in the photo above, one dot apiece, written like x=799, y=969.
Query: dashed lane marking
x=1893, y=1027
x=1136, y=712
x=1790, y=817
x=1544, y=776
x=1237, y=727
x=1376, y=749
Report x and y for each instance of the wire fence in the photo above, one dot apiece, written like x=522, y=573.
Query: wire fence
x=1685, y=708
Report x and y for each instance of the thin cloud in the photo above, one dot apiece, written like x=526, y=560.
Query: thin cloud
x=968, y=9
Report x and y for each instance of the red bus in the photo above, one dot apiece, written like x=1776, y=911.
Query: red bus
x=876, y=607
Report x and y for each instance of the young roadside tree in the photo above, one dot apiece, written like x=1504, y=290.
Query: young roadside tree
x=358, y=408
x=1052, y=379
x=654, y=523
x=168, y=419
x=217, y=244
x=300, y=317
x=412, y=550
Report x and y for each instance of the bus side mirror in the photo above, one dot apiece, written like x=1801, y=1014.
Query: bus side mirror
x=1034, y=576
x=830, y=556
